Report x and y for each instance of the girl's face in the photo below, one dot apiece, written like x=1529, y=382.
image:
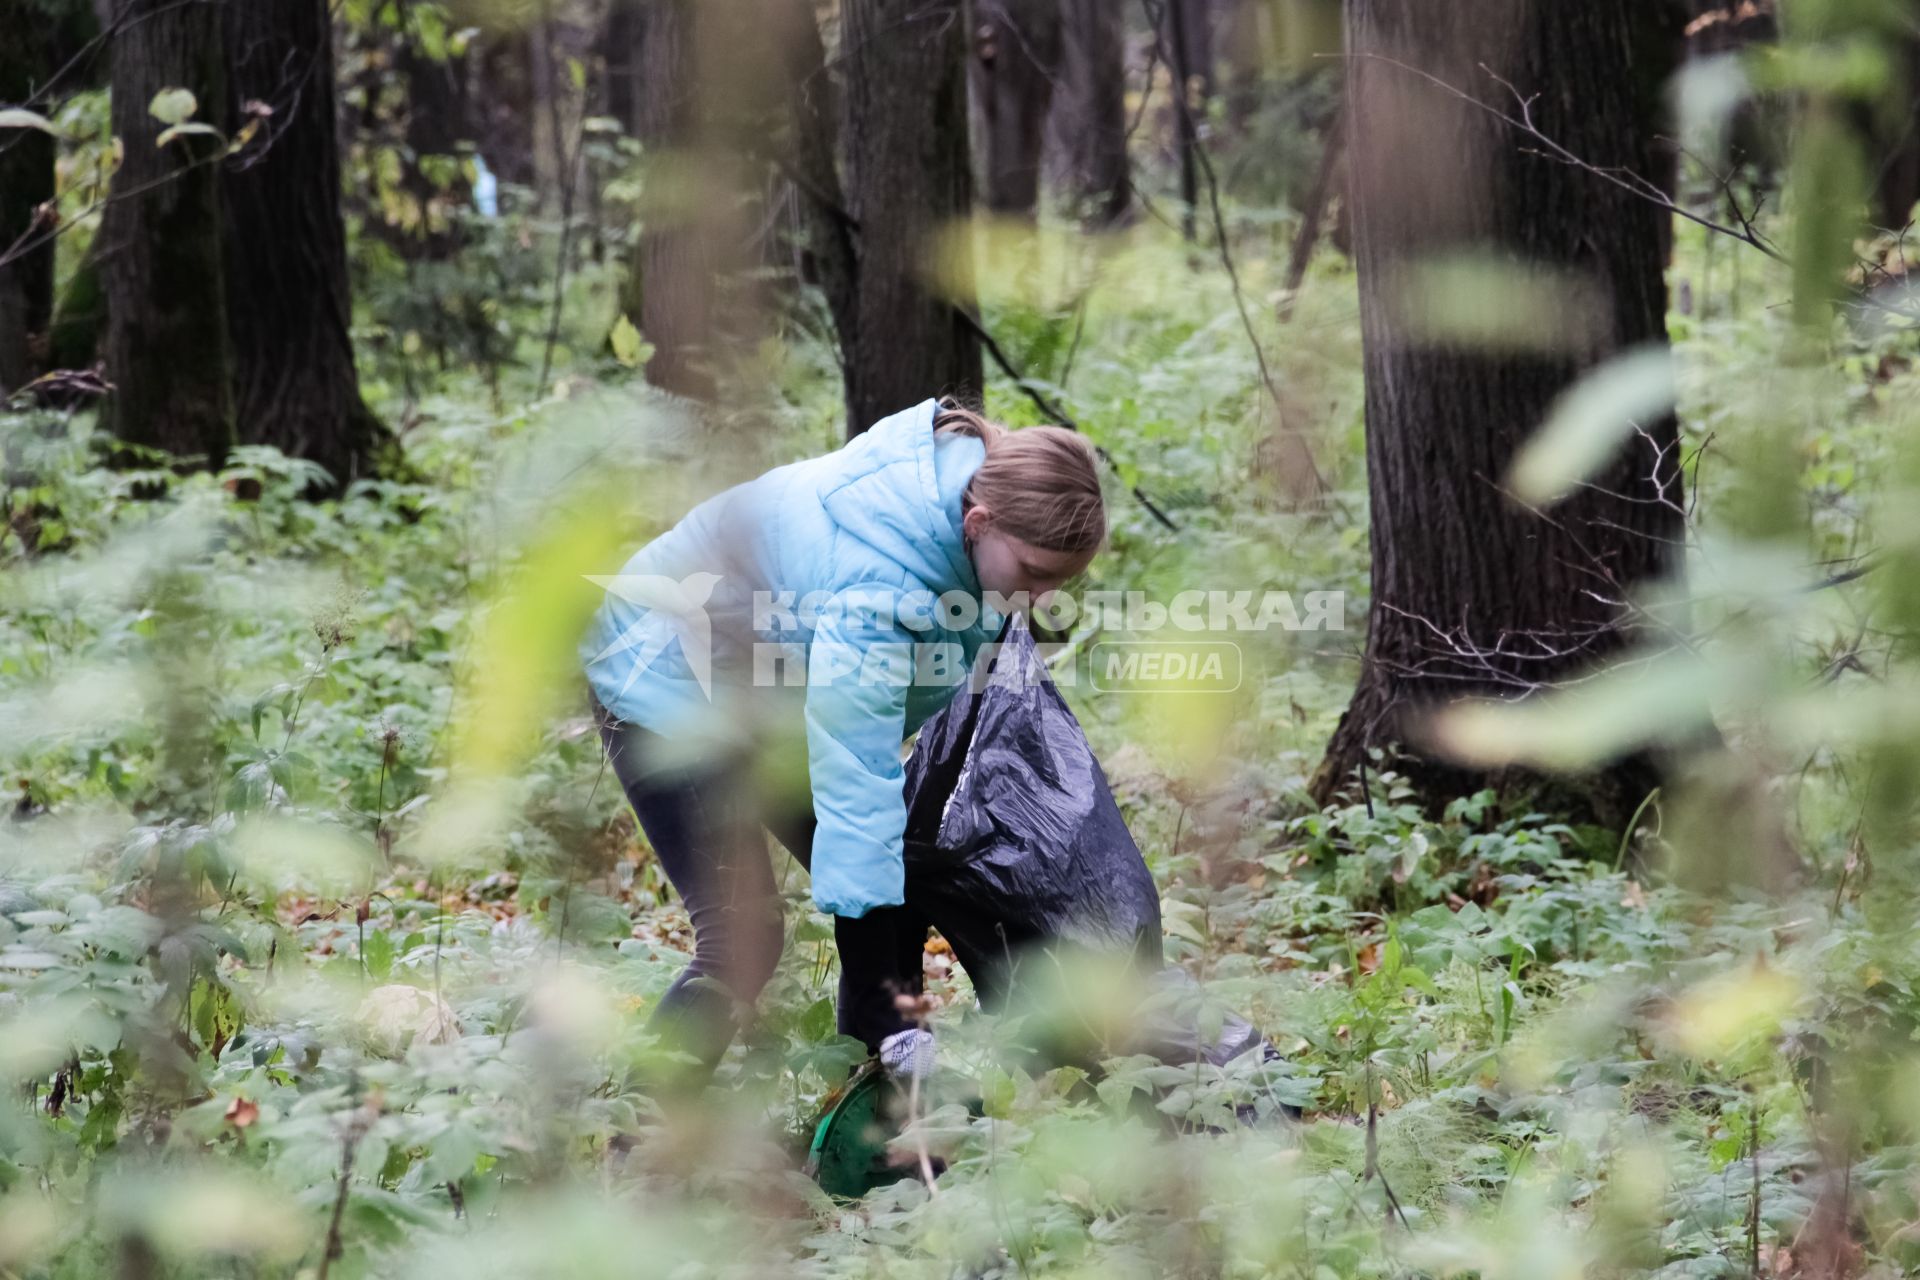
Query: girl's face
x=1010, y=567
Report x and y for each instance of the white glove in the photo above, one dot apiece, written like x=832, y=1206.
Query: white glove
x=908, y=1053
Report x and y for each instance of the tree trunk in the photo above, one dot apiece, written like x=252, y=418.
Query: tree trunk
x=168, y=352
x=548, y=141
x=1016, y=57
x=436, y=125
x=1087, y=128
x=622, y=38
x=1893, y=134
x=670, y=286
x=909, y=178
x=1472, y=595
x=1313, y=212
x=1186, y=44
x=1248, y=55
x=286, y=249
x=688, y=268
x=828, y=257
x=1195, y=31
x=26, y=183
x=502, y=110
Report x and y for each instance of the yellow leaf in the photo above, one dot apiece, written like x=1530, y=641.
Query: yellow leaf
x=628, y=347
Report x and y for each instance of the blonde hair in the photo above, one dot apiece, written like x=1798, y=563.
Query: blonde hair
x=1041, y=484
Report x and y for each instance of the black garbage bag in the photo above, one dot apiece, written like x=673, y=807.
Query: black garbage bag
x=1015, y=848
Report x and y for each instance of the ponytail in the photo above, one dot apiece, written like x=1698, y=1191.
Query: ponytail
x=1042, y=484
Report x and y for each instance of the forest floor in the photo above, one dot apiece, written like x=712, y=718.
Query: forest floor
x=322, y=930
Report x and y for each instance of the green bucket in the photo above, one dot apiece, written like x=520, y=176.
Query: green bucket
x=849, y=1155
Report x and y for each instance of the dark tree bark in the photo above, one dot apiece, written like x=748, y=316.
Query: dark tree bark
x=1087, y=128
x=1186, y=45
x=622, y=37
x=1313, y=212
x=26, y=183
x=1016, y=59
x=809, y=149
x=167, y=351
x=502, y=115
x=52, y=51
x=286, y=249
x=1893, y=137
x=909, y=178
x=1193, y=28
x=1471, y=594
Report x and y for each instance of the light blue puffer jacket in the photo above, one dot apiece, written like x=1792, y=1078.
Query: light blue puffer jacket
x=874, y=523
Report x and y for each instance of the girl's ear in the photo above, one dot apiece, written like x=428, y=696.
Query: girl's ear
x=976, y=521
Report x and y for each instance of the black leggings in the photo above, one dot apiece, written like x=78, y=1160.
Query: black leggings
x=708, y=828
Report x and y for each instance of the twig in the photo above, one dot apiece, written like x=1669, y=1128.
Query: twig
x=1372, y=1169
x=1753, y=1155
x=1626, y=180
x=1633, y=183
x=355, y=1128
x=1313, y=215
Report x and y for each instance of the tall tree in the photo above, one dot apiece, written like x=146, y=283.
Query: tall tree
x=286, y=248
x=1473, y=594
x=1016, y=57
x=434, y=76
x=911, y=189
x=168, y=353
x=26, y=184
x=809, y=145
x=622, y=37
x=60, y=47
x=1185, y=33
x=706, y=85
x=1087, y=128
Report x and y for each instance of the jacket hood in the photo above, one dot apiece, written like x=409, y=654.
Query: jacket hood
x=903, y=496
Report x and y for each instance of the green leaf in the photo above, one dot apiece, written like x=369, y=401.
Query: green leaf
x=173, y=106
x=21, y=118
x=832, y=1059
x=816, y=1024
x=1182, y=920
x=377, y=951
x=454, y=1152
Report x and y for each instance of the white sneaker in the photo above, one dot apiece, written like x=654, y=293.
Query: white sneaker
x=908, y=1053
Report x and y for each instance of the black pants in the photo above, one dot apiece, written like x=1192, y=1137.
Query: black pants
x=708, y=828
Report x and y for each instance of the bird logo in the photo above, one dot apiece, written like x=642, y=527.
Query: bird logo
x=682, y=604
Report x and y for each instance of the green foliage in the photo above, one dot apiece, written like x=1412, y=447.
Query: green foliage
x=323, y=928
